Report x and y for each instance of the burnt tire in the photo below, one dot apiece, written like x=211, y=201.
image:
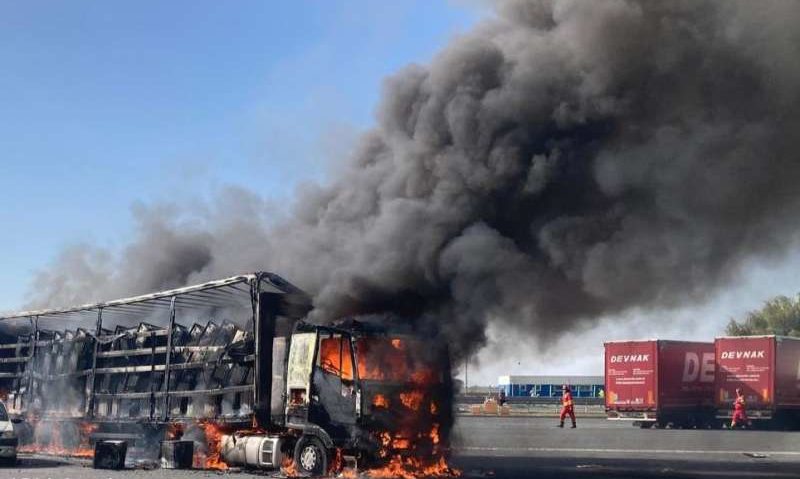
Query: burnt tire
x=310, y=457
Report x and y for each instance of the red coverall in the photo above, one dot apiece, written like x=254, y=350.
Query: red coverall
x=739, y=414
x=567, y=408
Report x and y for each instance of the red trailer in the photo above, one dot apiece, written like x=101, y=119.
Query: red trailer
x=657, y=382
x=767, y=369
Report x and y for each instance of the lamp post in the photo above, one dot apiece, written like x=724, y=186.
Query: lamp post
x=466, y=375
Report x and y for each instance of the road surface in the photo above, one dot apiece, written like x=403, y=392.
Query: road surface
x=533, y=447
x=521, y=447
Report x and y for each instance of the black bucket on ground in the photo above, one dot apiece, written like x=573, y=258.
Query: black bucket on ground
x=110, y=454
x=177, y=454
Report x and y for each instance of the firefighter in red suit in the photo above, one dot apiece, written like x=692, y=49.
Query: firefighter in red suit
x=739, y=410
x=567, y=406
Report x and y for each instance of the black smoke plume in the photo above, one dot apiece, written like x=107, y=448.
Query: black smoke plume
x=562, y=161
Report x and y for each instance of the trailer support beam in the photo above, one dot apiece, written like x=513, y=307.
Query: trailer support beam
x=168, y=359
x=98, y=330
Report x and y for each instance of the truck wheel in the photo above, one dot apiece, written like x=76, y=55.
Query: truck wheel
x=310, y=456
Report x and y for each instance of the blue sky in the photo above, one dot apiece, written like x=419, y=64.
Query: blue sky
x=106, y=104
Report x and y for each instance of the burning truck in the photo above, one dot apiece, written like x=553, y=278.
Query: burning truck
x=235, y=363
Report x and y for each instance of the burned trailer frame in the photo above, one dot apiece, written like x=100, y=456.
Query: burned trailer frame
x=140, y=363
x=150, y=367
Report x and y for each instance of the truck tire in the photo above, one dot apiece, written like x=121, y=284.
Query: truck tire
x=310, y=457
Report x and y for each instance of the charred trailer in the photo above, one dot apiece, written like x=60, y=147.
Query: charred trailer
x=767, y=370
x=147, y=368
x=232, y=365
x=660, y=383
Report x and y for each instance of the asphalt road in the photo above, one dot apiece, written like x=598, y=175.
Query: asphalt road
x=521, y=447
x=533, y=447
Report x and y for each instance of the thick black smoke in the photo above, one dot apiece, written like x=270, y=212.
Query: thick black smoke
x=564, y=160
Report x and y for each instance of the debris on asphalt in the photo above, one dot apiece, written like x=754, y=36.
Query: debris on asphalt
x=756, y=455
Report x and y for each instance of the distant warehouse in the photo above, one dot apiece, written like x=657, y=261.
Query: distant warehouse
x=550, y=386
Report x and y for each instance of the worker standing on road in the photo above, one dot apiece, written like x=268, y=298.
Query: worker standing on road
x=567, y=406
x=739, y=410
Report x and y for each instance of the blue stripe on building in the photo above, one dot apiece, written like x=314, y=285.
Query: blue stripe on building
x=550, y=386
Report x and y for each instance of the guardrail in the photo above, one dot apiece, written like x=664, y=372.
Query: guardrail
x=479, y=399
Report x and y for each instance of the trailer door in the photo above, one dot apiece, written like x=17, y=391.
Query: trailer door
x=298, y=375
x=630, y=375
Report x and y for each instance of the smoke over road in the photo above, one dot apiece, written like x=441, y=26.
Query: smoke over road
x=562, y=161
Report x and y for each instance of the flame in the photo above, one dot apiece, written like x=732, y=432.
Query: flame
x=434, y=408
x=335, y=357
x=288, y=468
x=414, y=468
x=401, y=443
x=338, y=461
x=434, y=434
x=87, y=428
x=174, y=431
x=56, y=447
x=423, y=376
x=412, y=399
x=382, y=359
x=379, y=400
x=348, y=474
x=212, y=458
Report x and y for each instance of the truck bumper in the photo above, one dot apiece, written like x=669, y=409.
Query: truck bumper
x=631, y=415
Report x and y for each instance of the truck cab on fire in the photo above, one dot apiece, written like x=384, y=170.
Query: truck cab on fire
x=364, y=390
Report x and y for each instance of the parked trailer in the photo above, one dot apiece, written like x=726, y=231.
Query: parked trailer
x=234, y=353
x=767, y=369
x=661, y=383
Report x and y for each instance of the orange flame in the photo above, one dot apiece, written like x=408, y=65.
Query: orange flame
x=413, y=468
x=379, y=400
x=411, y=399
x=434, y=434
x=288, y=468
x=212, y=458
x=56, y=446
x=335, y=357
x=174, y=431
